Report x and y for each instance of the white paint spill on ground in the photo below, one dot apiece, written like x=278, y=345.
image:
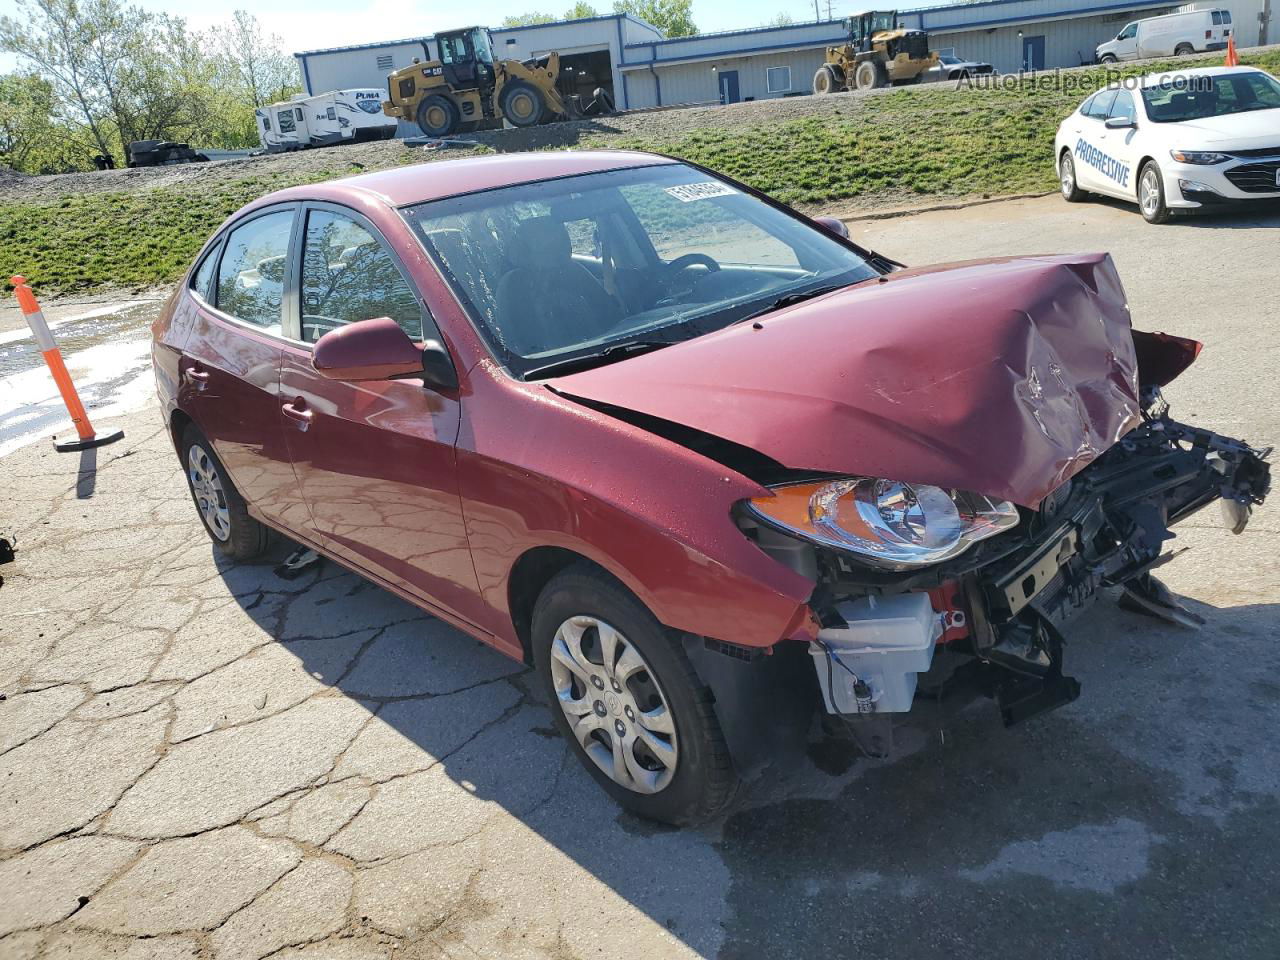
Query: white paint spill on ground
x=108, y=354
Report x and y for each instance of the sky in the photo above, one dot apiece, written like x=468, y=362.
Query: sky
x=314, y=24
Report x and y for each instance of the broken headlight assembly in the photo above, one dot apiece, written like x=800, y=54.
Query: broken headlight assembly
x=885, y=523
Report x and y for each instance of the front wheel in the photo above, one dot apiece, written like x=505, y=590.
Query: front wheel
x=523, y=104
x=826, y=81
x=624, y=694
x=1151, y=194
x=1107, y=58
x=221, y=508
x=870, y=75
x=1071, y=191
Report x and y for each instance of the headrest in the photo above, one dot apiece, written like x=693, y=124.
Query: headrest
x=540, y=242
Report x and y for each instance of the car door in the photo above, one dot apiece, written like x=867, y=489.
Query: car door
x=1122, y=146
x=1090, y=141
x=375, y=459
x=230, y=369
x=1126, y=43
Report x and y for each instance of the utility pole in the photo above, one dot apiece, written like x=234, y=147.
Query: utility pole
x=1264, y=20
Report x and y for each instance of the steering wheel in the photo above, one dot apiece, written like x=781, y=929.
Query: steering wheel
x=682, y=263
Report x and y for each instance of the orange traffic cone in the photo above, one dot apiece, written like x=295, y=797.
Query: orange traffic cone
x=1232, y=60
x=53, y=357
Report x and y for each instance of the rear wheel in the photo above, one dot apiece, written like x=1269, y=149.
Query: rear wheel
x=438, y=116
x=1071, y=191
x=222, y=510
x=826, y=80
x=523, y=103
x=869, y=75
x=1184, y=50
x=1151, y=194
x=625, y=695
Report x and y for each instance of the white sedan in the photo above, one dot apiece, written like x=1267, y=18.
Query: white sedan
x=1175, y=141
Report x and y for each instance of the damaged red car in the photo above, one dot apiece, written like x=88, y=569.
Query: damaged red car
x=700, y=460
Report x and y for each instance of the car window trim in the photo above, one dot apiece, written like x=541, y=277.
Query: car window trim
x=212, y=253
x=221, y=239
x=295, y=257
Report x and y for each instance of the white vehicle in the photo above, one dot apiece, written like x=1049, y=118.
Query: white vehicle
x=1175, y=141
x=1173, y=35
x=339, y=116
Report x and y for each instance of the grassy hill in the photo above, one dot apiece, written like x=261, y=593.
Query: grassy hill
x=81, y=232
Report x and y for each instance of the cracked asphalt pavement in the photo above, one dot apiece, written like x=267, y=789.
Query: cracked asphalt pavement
x=203, y=760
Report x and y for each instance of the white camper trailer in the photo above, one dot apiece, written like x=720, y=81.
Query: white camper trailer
x=339, y=116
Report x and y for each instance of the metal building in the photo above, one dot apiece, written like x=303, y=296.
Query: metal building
x=641, y=68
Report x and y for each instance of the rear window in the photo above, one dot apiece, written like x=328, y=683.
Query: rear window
x=251, y=273
x=202, y=279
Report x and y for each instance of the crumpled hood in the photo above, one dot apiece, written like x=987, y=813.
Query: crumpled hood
x=1004, y=377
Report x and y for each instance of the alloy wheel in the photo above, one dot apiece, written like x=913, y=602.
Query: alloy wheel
x=1068, y=176
x=211, y=498
x=614, y=705
x=1150, y=193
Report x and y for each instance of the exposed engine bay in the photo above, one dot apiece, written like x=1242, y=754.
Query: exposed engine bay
x=1006, y=603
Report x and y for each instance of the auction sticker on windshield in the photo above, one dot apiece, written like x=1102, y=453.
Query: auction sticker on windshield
x=686, y=192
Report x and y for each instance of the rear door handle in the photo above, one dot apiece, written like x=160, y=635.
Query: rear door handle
x=297, y=412
x=197, y=378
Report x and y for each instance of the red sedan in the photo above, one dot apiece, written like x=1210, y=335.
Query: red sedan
x=698, y=459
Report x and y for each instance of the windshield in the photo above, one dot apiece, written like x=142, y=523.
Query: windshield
x=484, y=51
x=884, y=21
x=945, y=58
x=1198, y=97
x=556, y=270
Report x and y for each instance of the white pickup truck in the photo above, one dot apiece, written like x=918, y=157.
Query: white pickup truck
x=1173, y=35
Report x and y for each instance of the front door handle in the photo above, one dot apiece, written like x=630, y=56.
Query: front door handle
x=197, y=378
x=297, y=412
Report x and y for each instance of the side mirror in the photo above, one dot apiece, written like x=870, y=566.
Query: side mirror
x=379, y=349
x=1120, y=123
x=835, y=226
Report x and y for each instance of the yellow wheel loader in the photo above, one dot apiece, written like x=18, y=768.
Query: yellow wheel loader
x=876, y=53
x=466, y=88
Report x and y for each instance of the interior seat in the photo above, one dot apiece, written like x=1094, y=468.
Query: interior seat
x=548, y=299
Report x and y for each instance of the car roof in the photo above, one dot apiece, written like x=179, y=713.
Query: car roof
x=420, y=182
x=1154, y=79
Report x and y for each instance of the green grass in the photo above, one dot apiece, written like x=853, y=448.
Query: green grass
x=909, y=142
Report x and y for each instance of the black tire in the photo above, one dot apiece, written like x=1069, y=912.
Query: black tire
x=869, y=75
x=1108, y=58
x=437, y=116
x=1067, y=171
x=245, y=537
x=1157, y=211
x=827, y=80
x=1184, y=50
x=523, y=104
x=703, y=781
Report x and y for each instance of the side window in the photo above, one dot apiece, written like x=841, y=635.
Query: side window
x=331, y=114
x=348, y=276
x=298, y=111
x=285, y=119
x=202, y=279
x=1129, y=32
x=251, y=274
x=1123, y=105
x=1100, y=106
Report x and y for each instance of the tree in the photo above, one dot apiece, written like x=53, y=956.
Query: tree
x=527, y=19
x=254, y=62
x=673, y=17
x=786, y=20
x=581, y=11
x=30, y=140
